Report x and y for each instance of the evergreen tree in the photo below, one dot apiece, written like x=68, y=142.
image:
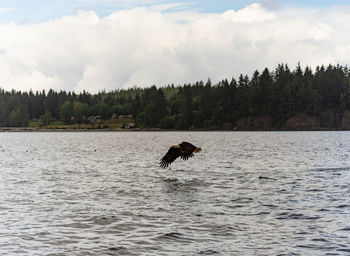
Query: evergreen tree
x=66, y=112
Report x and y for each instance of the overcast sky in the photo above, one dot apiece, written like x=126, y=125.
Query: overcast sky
x=109, y=44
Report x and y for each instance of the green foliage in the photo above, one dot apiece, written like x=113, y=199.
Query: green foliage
x=18, y=117
x=279, y=93
x=168, y=122
x=80, y=111
x=66, y=112
x=46, y=118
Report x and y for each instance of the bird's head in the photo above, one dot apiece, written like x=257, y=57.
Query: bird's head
x=197, y=150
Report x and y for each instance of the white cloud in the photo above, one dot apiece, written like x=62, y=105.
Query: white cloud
x=173, y=7
x=144, y=46
x=252, y=13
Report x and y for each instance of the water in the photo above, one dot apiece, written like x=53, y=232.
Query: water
x=246, y=193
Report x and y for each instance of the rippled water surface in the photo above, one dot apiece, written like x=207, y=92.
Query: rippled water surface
x=246, y=193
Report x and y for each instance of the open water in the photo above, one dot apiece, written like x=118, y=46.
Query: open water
x=246, y=193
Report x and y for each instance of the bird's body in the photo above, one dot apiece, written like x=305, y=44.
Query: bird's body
x=183, y=150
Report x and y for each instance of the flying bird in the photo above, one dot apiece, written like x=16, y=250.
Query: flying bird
x=184, y=150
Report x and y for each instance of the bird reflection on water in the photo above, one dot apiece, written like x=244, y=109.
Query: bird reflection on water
x=184, y=185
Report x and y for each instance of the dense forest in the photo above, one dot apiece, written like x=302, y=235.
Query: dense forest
x=276, y=95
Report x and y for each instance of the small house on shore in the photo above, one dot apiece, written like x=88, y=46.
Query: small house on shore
x=94, y=119
x=124, y=116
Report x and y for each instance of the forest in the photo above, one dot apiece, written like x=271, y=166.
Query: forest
x=278, y=95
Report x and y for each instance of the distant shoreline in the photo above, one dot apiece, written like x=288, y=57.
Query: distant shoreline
x=36, y=129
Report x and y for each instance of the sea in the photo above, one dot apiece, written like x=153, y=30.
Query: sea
x=245, y=193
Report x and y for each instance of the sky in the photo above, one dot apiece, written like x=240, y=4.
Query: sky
x=97, y=45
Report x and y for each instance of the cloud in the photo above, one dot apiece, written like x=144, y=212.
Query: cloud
x=145, y=46
x=170, y=7
x=6, y=10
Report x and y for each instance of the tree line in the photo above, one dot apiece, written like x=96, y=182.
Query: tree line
x=280, y=93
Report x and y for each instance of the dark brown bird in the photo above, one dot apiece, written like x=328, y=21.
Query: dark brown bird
x=184, y=150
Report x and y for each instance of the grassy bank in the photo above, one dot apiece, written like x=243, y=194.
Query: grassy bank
x=111, y=124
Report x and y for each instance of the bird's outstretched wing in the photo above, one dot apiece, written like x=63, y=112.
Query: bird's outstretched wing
x=170, y=156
